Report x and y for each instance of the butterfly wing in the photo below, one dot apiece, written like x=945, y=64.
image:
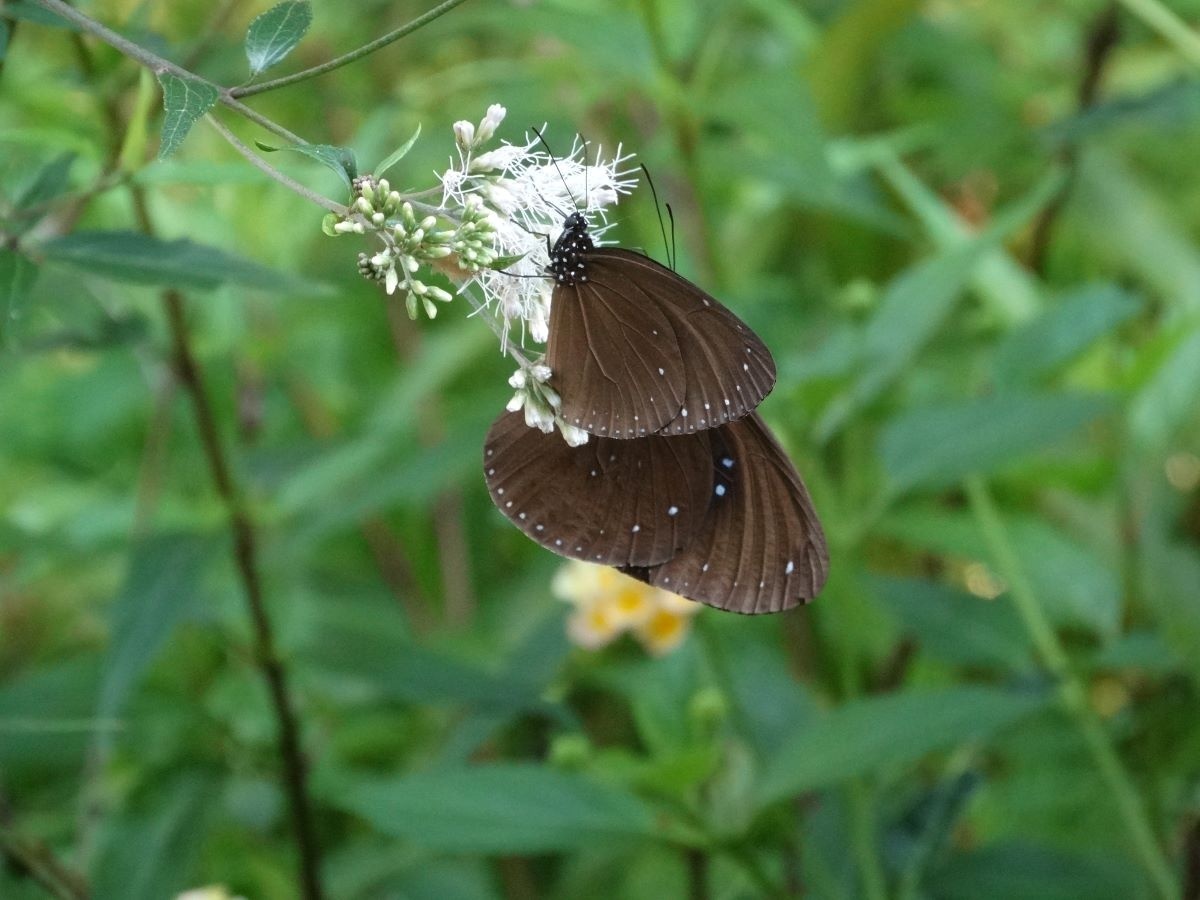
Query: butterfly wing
x=761, y=548
x=616, y=502
x=614, y=358
x=726, y=369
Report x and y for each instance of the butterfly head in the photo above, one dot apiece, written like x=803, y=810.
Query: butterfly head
x=567, y=264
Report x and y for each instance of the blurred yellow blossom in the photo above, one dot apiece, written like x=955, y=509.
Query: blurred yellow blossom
x=608, y=604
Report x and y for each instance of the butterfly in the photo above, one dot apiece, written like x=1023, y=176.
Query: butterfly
x=636, y=349
x=718, y=515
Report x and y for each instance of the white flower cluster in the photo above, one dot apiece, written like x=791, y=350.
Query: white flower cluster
x=501, y=210
x=530, y=193
x=542, y=403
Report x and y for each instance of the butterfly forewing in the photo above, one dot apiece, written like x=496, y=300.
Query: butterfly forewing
x=761, y=548
x=615, y=360
x=726, y=369
x=616, y=502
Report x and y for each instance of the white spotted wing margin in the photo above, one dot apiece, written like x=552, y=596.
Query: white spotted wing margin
x=761, y=548
x=637, y=349
x=614, y=502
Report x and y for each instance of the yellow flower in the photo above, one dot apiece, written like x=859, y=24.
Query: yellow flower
x=608, y=603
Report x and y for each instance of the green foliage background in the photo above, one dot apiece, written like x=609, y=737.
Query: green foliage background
x=974, y=403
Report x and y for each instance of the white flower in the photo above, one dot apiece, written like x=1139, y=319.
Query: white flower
x=491, y=121
x=464, y=134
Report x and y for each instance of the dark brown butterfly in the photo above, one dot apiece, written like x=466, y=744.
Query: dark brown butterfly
x=719, y=516
x=636, y=349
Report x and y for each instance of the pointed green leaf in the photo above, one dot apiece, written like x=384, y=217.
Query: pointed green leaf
x=151, y=853
x=185, y=100
x=51, y=180
x=893, y=730
x=164, y=575
x=502, y=808
x=339, y=159
x=1063, y=331
x=128, y=256
x=397, y=155
x=938, y=445
x=272, y=35
x=1168, y=400
x=955, y=626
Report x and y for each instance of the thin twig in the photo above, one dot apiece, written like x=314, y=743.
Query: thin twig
x=249, y=90
x=263, y=166
x=246, y=559
x=38, y=860
x=158, y=65
x=697, y=869
x=1101, y=40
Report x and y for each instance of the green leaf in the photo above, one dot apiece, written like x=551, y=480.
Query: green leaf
x=17, y=276
x=889, y=731
x=502, y=808
x=1168, y=400
x=954, y=626
x=46, y=719
x=398, y=154
x=1079, y=584
x=1063, y=331
x=272, y=35
x=128, y=256
x=150, y=854
x=1029, y=872
x=935, y=446
x=185, y=100
x=914, y=306
x=161, y=586
x=51, y=181
x=339, y=159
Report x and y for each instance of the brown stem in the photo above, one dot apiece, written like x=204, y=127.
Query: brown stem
x=38, y=861
x=245, y=550
x=1100, y=41
x=1191, y=862
x=697, y=871
x=246, y=559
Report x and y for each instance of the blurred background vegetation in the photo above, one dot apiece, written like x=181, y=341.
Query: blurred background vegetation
x=968, y=231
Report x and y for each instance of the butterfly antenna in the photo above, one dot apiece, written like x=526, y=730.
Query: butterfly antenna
x=554, y=162
x=674, y=252
x=669, y=246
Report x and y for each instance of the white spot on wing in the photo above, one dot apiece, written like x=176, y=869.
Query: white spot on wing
x=673, y=511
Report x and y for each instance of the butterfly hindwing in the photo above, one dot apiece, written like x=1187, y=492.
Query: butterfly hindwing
x=616, y=502
x=761, y=548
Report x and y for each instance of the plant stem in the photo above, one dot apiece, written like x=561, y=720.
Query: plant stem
x=246, y=560
x=1172, y=28
x=347, y=58
x=696, y=861
x=1072, y=692
x=262, y=165
x=159, y=64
